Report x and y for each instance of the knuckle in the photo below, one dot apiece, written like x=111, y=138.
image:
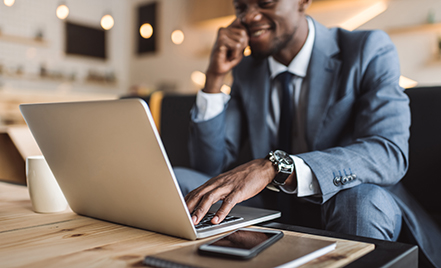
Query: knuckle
x=199, y=210
x=229, y=200
x=222, y=212
x=210, y=196
x=197, y=194
x=222, y=31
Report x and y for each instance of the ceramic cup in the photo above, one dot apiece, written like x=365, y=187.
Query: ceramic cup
x=46, y=195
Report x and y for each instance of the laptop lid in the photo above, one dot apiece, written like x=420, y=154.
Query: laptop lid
x=109, y=161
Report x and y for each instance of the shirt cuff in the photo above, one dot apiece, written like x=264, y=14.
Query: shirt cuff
x=307, y=183
x=209, y=105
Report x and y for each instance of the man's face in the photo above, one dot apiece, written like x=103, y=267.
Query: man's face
x=271, y=24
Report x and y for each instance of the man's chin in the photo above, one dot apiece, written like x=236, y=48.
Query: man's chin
x=260, y=55
x=262, y=52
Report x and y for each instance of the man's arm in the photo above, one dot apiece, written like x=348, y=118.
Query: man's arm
x=209, y=149
x=375, y=150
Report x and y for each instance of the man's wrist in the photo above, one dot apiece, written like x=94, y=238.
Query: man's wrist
x=213, y=83
x=271, y=171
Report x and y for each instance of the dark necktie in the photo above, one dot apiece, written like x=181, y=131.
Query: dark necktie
x=286, y=112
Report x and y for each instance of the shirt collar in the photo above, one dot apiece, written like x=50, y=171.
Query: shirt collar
x=299, y=65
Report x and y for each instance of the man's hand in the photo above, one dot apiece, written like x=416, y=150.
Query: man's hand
x=232, y=187
x=227, y=53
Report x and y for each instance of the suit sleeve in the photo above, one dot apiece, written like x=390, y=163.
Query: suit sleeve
x=214, y=144
x=377, y=150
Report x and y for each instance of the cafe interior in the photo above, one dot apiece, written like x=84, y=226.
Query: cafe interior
x=158, y=50
x=67, y=50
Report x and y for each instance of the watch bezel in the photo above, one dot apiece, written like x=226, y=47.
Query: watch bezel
x=282, y=160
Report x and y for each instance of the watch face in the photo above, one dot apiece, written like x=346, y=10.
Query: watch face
x=283, y=157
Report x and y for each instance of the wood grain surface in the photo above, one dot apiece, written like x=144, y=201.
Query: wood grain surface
x=29, y=239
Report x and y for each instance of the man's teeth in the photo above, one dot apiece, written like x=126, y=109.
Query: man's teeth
x=257, y=33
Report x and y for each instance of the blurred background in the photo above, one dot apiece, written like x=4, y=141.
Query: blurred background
x=63, y=50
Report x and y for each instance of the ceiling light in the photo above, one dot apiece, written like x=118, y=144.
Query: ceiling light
x=107, y=22
x=177, y=37
x=9, y=3
x=226, y=89
x=198, y=78
x=62, y=12
x=247, y=51
x=146, y=30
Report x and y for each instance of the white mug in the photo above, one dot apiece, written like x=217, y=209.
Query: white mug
x=46, y=195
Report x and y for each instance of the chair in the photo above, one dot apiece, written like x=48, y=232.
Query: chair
x=423, y=179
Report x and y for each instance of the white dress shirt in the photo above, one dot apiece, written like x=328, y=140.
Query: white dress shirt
x=210, y=105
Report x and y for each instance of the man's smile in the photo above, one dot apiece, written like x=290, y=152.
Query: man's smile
x=257, y=32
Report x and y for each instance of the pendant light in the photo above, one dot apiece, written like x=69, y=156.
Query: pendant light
x=9, y=3
x=107, y=22
x=146, y=30
x=177, y=37
x=62, y=11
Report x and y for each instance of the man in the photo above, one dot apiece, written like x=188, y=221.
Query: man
x=339, y=113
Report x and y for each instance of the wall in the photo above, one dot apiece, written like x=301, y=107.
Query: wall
x=417, y=47
x=171, y=66
x=22, y=58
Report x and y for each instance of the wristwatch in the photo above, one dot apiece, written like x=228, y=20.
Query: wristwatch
x=284, y=167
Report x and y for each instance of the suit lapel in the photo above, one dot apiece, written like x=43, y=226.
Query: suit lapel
x=321, y=80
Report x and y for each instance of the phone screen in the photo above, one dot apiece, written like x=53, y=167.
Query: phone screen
x=243, y=239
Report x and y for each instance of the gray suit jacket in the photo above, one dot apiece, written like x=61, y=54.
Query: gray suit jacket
x=357, y=116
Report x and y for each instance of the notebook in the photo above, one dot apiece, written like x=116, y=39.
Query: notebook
x=109, y=161
x=293, y=250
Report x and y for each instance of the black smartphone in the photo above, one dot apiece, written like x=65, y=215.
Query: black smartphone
x=242, y=244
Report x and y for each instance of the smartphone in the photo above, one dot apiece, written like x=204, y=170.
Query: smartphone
x=244, y=243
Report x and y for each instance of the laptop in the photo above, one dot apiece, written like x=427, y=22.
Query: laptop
x=109, y=161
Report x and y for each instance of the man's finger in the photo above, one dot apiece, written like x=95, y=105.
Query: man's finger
x=227, y=205
x=207, y=200
x=194, y=198
x=237, y=24
x=205, y=204
x=236, y=53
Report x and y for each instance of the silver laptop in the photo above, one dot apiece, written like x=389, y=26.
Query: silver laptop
x=109, y=161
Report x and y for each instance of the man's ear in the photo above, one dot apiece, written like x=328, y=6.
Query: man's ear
x=304, y=4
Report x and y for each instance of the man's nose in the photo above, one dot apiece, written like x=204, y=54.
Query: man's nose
x=250, y=15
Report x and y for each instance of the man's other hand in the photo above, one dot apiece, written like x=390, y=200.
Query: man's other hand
x=226, y=53
x=231, y=187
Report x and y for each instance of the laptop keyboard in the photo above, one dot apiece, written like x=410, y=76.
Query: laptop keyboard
x=206, y=221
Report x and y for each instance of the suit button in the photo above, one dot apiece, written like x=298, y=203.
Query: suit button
x=350, y=178
x=337, y=181
x=344, y=180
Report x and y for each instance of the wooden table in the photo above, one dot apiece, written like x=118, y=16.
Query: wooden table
x=29, y=239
